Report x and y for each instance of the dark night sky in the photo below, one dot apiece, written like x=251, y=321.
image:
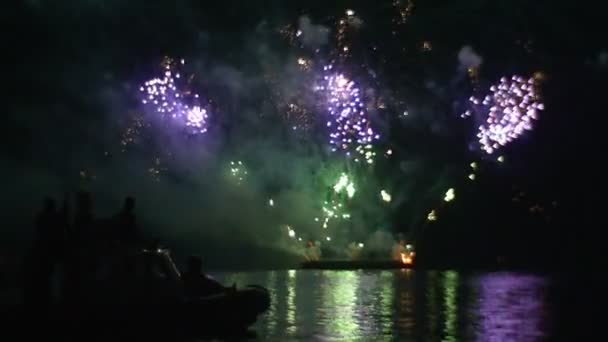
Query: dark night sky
x=62, y=56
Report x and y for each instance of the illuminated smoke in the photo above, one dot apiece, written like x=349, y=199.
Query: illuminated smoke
x=468, y=58
x=470, y=61
x=311, y=35
x=299, y=117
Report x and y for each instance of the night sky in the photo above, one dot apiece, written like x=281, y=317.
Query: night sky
x=74, y=69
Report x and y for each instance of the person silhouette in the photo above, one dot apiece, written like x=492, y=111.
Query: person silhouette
x=196, y=283
x=83, y=217
x=127, y=232
x=47, y=226
x=43, y=257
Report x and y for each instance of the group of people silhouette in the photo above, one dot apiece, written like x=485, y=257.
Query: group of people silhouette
x=68, y=244
x=70, y=247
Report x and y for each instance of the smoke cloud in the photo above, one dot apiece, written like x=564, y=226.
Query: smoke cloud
x=602, y=59
x=312, y=35
x=468, y=58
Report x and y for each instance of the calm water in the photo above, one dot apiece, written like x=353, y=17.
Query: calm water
x=402, y=305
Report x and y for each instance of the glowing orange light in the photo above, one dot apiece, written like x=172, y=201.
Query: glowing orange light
x=405, y=259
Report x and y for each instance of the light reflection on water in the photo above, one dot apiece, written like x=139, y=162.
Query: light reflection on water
x=399, y=305
x=504, y=300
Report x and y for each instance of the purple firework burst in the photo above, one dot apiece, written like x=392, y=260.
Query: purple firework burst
x=170, y=97
x=350, y=129
x=509, y=111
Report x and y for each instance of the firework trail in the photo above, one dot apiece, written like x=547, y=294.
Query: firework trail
x=350, y=130
x=341, y=41
x=344, y=33
x=509, y=111
x=169, y=96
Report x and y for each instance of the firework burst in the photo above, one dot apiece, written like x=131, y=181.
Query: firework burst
x=171, y=97
x=509, y=111
x=335, y=208
x=350, y=129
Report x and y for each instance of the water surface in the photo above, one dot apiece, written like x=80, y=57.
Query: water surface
x=404, y=305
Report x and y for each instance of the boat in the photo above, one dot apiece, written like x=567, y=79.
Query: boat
x=356, y=264
x=151, y=290
x=403, y=257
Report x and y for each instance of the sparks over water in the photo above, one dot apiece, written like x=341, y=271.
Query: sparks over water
x=336, y=208
x=350, y=129
x=508, y=111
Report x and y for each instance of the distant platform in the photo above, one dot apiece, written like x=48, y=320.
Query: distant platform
x=355, y=265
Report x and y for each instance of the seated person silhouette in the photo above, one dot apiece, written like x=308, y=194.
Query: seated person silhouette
x=197, y=284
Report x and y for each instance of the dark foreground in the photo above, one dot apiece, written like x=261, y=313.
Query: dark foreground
x=159, y=323
x=378, y=305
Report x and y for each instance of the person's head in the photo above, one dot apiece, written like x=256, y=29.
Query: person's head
x=129, y=204
x=49, y=204
x=195, y=264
